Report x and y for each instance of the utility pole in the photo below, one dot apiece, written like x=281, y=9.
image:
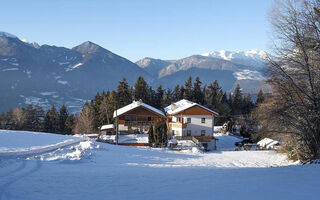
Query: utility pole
x=117, y=128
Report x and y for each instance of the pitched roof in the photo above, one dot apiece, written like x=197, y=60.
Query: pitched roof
x=136, y=104
x=107, y=126
x=184, y=105
x=267, y=142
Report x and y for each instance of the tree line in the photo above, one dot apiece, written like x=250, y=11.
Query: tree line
x=99, y=110
x=34, y=118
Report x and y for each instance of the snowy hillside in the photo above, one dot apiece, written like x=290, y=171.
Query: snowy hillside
x=45, y=75
x=22, y=144
x=90, y=170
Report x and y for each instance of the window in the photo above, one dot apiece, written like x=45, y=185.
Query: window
x=135, y=118
x=205, y=145
x=203, y=132
x=172, y=132
x=174, y=119
x=127, y=118
x=188, y=132
x=149, y=119
x=178, y=119
x=203, y=120
x=188, y=120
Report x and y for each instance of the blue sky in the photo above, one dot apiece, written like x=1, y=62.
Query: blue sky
x=134, y=29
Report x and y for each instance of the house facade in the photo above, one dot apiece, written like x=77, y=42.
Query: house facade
x=186, y=118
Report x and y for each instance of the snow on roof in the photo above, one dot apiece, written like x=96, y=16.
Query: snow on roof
x=108, y=126
x=173, y=141
x=136, y=104
x=267, y=142
x=184, y=105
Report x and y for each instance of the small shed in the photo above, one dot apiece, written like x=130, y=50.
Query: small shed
x=107, y=129
x=206, y=143
x=268, y=143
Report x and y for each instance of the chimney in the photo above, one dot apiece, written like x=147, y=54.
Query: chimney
x=139, y=102
x=173, y=106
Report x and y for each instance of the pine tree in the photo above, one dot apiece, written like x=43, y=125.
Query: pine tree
x=9, y=123
x=260, y=97
x=224, y=99
x=51, y=121
x=216, y=99
x=69, y=124
x=141, y=90
x=158, y=97
x=2, y=121
x=95, y=108
x=166, y=98
x=197, y=94
x=62, y=118
x=160, y=133
x=103, y=94
x=34, y=118
x=181, y=92
x=237, y=101
x=247, y=104
x=30, y=115
x=211, y=95
x=124, y=94
x=188, y=89
x=39, y=117
x=176, y=94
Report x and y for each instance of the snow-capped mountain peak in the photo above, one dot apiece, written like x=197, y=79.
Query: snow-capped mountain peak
x=223, y=54
x=254, y=58
x=35, y=45
x=230, y=55
x=145, y=62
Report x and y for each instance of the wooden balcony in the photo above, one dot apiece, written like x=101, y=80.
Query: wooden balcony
x=138, y=123
x=177, y=125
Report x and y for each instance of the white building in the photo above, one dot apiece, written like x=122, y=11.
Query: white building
x=268, y=143
x=188, y=119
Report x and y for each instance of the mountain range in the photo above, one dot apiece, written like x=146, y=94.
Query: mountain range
x=46, y=75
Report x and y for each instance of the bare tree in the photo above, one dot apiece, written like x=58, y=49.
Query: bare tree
x=84, y=123
x=295, y=75
x=19, y=117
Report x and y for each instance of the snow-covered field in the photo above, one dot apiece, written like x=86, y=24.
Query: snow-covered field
x=23, y=144
x=84, y=169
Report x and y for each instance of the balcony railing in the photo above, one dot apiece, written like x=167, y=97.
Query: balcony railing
x=177, y=125
x=138, y=123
